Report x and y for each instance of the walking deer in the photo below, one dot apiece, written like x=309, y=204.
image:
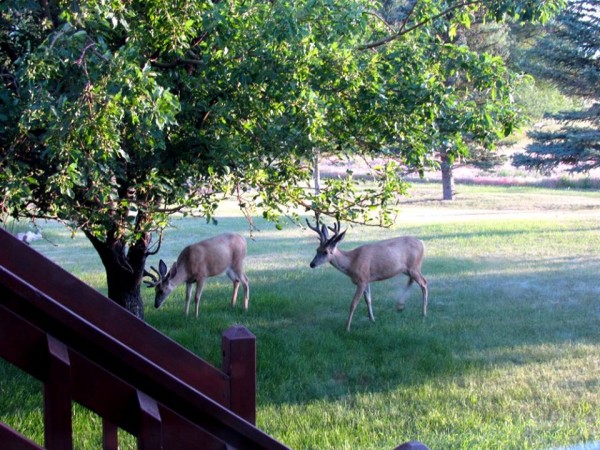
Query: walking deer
x=196, y=262
x=372, y=262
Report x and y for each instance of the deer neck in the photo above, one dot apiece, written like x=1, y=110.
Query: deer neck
x=180, y=277
x=341, y=260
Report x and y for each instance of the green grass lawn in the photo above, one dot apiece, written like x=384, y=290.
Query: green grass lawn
x=507, y=358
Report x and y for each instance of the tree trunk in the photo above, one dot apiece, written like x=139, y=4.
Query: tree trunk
x=124, y=270
x=447, y=178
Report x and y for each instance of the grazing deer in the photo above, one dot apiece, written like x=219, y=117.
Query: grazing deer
x=372, y=262
x=196, y=262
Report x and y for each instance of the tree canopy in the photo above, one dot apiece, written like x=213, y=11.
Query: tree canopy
x=115, y=115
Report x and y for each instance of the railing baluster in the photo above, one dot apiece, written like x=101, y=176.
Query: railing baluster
x=58, y=427
x=110, y=435
x=150, y=436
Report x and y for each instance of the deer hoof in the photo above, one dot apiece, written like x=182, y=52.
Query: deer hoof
x=400, y=306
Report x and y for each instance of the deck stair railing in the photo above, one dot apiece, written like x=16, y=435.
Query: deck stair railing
x=85, y=348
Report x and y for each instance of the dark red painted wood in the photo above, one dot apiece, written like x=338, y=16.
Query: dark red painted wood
x=27, y=344
x=110, y=435
x=239, y=362
x=150, y=437
x=112, y=355
x=179, y=433
x=58, y=430
x=11, y=440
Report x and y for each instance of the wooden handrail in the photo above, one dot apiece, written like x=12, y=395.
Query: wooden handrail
x=14, y=441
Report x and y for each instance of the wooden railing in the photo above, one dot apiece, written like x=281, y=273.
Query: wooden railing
x=85, y=348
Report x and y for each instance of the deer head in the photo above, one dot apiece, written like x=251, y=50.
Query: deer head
x=161, y=282
x=327, y=245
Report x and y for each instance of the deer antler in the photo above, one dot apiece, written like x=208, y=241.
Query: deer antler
x=322, y=232
x=150, y=275
x=335, y=228
x=155, y=280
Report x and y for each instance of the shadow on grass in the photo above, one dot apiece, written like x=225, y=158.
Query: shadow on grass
x=479, y=317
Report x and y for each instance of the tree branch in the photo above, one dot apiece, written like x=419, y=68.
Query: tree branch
x=402, y=31
x=177, y=62
x=382, y=19
x=155, y=251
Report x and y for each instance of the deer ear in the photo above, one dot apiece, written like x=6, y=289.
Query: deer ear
x=324, y=232
x=173, y=270
x=162, y=268
x=337, y=238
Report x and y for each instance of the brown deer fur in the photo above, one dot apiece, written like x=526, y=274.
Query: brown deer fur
x=373, y=262
x=196, y=262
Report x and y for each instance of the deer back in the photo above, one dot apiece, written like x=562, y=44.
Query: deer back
x=385, y=259
x=212, y=256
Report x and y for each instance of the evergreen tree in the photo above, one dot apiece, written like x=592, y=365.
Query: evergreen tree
x=569, y=56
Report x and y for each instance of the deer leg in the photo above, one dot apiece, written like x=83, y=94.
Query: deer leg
x=237, y=278
x=360, y=288
x=422, y=282
x=420, y=279
x=236, y=286
x=199, y=288
x=367, y=295
x=188, y=296
x=233, y=276
x=246, y=286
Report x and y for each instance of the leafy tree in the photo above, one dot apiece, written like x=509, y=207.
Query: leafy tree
x=116, y=115
x=476, y=109
x=473, y=104
x=567, y=55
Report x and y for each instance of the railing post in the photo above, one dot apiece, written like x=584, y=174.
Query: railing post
x=150, y=434
x=239, y=363
x=110, y=435
x=58, y=427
